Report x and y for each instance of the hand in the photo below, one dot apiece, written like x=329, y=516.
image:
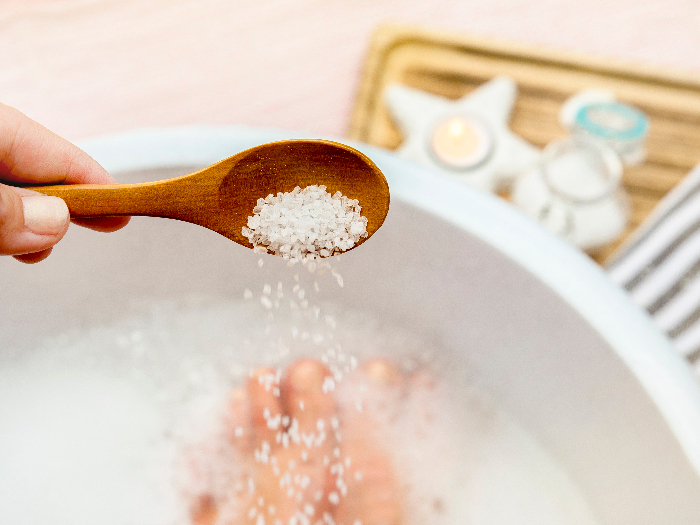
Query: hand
x=31, y=223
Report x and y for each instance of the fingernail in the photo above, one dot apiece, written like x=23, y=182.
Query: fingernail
x=45, y=215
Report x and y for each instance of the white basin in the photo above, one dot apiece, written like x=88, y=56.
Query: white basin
x=530, y=321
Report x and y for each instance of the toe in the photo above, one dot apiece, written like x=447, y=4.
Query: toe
x=382, y=372
x=265, y=407
x=313, y=422
x=308, y=395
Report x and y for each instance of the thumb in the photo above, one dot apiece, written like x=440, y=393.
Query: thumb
x=30, y=222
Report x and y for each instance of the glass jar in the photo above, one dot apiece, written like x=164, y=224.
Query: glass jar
x=574, y=190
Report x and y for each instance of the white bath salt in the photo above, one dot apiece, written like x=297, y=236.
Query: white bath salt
x=338, y=277
x=334, y=498
x=247, y=294
x=263, y=455
x=303, y=225
x=273, y=423
x=342, y=487
x=267, y=289
x=328, y=385
x=308, y=439
x=260, y=263
x=286, y=480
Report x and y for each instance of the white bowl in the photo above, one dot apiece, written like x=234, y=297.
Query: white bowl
x=536, y=325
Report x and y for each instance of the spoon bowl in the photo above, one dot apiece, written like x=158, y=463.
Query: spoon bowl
x=222, y=196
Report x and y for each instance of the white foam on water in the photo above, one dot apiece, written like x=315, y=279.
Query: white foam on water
x=122, y=424
x=79, y=446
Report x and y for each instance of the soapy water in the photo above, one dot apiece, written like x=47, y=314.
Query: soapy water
x=127, y=424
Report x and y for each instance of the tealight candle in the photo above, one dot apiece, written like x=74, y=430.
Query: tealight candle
x=461, y=142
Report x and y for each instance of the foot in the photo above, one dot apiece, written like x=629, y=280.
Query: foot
x=281, y=430
x=373, y=492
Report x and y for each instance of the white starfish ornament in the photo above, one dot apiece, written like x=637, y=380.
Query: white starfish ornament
x=468, y=137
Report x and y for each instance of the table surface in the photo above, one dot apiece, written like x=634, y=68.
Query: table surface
x=91, y=67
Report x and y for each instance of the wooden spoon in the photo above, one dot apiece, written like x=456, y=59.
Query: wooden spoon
x=222, y=196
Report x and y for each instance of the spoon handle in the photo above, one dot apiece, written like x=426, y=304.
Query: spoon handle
x=155, y=199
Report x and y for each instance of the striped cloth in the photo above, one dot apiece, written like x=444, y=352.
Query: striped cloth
x=660, y=266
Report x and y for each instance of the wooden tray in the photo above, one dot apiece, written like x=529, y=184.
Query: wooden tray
x=451, y=65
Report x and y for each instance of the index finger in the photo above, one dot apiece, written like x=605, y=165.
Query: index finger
x=32, y=154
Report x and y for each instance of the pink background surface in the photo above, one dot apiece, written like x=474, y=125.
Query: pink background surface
x=89, y=67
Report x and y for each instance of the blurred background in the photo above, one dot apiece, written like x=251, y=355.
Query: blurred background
x=91, y=67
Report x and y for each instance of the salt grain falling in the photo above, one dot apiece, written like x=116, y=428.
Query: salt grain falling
x=338, y=277
x=247, y=294
x=303, y=225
